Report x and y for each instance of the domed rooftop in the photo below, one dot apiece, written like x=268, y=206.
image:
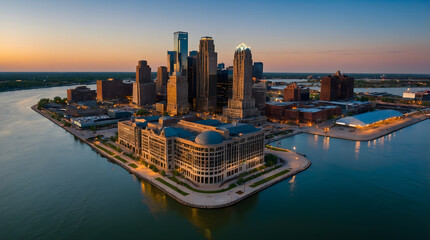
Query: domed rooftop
x=242, y=47
x=209, y=138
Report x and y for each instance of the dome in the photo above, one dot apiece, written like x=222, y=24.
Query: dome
x=242, y=47
x=209, y=138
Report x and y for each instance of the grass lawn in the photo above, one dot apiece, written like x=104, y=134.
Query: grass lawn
x=172, y=187
x=121, y=159
x=118, y=149
x=104, y=149
x=277, y=149
x=269, y=178
x=132, y=165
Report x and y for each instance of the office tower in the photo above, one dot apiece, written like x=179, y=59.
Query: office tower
x=224, y=87
x=257, y=70
x=337, y=87
x=113, y=89
x=220, y=66
x=180, y=46
x=177, y=95
x=162, y=78
x=241, y=107
x=259, y=95
x=192, y=79
x=294, y=93
x=193, y=53
x=206, y=76
x=171, y=60
x=144, y=89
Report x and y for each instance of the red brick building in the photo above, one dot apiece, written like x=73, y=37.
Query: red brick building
x=294, y=93
x=337, y=87
x=300, y=112
x=113, y=89
x=80, y=94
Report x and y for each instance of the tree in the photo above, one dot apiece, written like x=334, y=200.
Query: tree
x=142, y=112
x=43, y=102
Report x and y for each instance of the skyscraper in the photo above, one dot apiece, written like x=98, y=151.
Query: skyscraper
x=177, y=95
x=258, y=70
x=171, y=58
x=180, y=46
x=162, y=78
x=206, y=75
x=241, y=107
x=192, y=79
x=144, y=87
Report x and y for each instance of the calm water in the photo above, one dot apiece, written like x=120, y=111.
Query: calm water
x=52, y=186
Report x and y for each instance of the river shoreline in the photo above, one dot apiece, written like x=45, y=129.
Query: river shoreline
x=294, y=163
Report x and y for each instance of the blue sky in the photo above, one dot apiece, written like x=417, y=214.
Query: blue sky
x=288, y=36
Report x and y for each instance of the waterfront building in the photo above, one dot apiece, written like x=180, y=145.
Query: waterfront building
x=162, y=78
x=257, y=70
x=369, y=118
x=180, y=46
x=221, y=66
x=314, y=112
x=294, y=93
x=171, y=60
x=337, y=87
x=206, y=152
x=241, y=107
x=81, y=94
x=144, y=89
x=192, y=79
x=113, y=89
x=206, y=76
x=177, y=95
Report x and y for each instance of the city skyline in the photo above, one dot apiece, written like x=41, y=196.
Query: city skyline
x=311, y=36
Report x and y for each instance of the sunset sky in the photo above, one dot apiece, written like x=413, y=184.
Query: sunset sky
x=288, y=36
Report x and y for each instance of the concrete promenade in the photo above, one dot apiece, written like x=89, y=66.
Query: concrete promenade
x=293, y=162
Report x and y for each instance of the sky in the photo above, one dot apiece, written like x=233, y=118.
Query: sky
x=366, y=36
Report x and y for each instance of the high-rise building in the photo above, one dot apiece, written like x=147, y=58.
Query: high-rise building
x=192, y=79
x=294, y=93
x=162, y=78
x=113, y=89
x=337, y=87
x=81, y=94
x=144, y=89
x=241, y=107
x=177, y=95
x=171, y=60
x=206, y=75
x=257, y=70
x=259, y=95
x=180, y=46
x=220, y=66
x=224, y=87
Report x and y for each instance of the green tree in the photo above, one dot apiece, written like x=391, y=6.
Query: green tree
x=142, y=112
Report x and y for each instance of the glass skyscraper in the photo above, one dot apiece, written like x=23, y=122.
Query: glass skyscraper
x=180, y=46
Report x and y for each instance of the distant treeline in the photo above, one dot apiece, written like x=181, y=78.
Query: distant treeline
x=355, y=75
x=23, y=80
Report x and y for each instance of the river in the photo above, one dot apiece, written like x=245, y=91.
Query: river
x=52, y=186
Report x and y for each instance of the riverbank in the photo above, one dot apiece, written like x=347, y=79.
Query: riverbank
x=367, y=134
x=293, y=164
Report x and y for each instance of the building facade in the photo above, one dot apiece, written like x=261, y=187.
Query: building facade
x=162, y=78
x=180, y=46
x=177, y=95
x=206, y=152
x=144, y=89
x=206, y=76
x=113, y=89
x=294, y=93
x=337, y=87
x=192, y=79
x=81, y=94
x=300, y=112
x=257, y=70
x=241, y=107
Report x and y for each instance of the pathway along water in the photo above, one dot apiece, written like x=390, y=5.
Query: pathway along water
x=55, y=187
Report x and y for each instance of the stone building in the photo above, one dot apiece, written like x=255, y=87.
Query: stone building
x=144, y=89
x=206, y=152
x=241, y=107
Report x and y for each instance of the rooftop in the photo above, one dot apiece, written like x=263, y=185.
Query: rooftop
x=365, y=119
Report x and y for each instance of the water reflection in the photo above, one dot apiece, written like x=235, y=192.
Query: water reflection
x=357, y=149
x=326, y=143
x=206, y=221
